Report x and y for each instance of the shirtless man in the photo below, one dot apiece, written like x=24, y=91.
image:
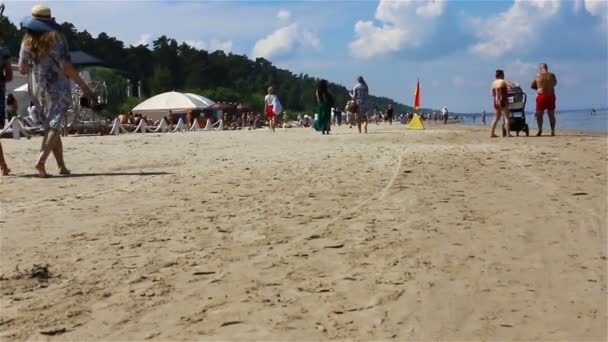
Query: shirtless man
x=544, y=83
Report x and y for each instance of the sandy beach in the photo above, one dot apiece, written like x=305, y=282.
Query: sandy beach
x=442, y=234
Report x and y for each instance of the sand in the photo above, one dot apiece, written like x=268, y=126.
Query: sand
x=441, y=234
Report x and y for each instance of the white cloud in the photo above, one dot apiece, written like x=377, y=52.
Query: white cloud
x=375, y=41
x=225, y=46
x=596, y=7
x=145, y=39
x=212, y=46
x=285, y=40
x=513, y=29
x=578, y=5
x=197, y=44
x=431, y=8
x=283, y=15
x=403, y=24
x=520, y=71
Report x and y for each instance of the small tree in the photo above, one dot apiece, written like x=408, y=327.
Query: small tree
x=129, y=103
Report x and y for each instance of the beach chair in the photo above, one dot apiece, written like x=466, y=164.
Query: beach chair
x=32, y=127
x=181, y=126
x=118, y=128
x=195, y=126
x=162, y=127
x=16, y=129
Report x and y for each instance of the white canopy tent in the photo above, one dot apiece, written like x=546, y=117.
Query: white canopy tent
x=23, y=96
x=158, y=106
x=202, y=99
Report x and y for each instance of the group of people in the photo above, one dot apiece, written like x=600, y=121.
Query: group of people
x=250, y=120
x=483, y=117
x=192, y=117
x=357, y=109
x=45, y=58
x=133, y=119
x=544, y=84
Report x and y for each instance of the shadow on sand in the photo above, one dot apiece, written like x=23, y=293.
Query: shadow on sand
x=101, y=174
x=373, y=132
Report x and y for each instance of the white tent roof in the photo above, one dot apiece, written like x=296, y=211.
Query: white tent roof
x=86, y=76
x=158, y=106
x=202, y=99
x=21, y=89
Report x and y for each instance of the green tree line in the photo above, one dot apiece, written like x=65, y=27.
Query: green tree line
x=168, y=65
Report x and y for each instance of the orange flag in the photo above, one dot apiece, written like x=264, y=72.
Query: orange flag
x=417, y=96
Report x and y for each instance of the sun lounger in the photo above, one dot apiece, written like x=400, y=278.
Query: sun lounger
x=32, y=127
x=16, y=128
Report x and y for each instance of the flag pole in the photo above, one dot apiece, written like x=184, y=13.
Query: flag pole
x=417, y=97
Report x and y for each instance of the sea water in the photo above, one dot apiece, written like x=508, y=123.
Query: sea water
x=576, y=120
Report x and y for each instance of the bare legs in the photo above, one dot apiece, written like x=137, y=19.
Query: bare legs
x=58, y=153
x=504, y=112
x=272, y=124
x=494, y=123
x=3, y=167
x=51, y=143
x=360, y=121
x=552, y=121
x=506, y=115
x=539, y=122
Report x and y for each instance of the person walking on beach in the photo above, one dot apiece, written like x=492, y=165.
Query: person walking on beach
x=444, y=115
x=360, y=95
x=501, y=102
x=544, y=83
x=32, y=115
x=390, y=114
x=325, y=102
x=483, y=117
x=350, y=110
x=6, y=75
x=45, y=58
x=338, y=115
x=270, y=102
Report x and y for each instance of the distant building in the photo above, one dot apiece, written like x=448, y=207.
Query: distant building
x=80, y=60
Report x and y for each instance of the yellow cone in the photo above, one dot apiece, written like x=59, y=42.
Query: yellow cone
x=416, y=123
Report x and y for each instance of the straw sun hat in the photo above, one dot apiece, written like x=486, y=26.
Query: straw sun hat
x=40, y=20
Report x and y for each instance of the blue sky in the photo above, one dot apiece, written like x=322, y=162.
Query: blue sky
x=452, y=46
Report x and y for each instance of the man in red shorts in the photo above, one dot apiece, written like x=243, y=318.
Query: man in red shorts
x=544, y=83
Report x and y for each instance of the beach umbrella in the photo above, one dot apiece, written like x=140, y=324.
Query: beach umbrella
x=207, y=102
x=158, y=106
x=221, y=106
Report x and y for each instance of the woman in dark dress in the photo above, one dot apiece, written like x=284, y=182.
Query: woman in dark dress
x=325, y=101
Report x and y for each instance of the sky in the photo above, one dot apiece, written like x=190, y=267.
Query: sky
x=452, y=47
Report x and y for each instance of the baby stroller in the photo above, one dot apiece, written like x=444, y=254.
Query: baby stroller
x=517, y=104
